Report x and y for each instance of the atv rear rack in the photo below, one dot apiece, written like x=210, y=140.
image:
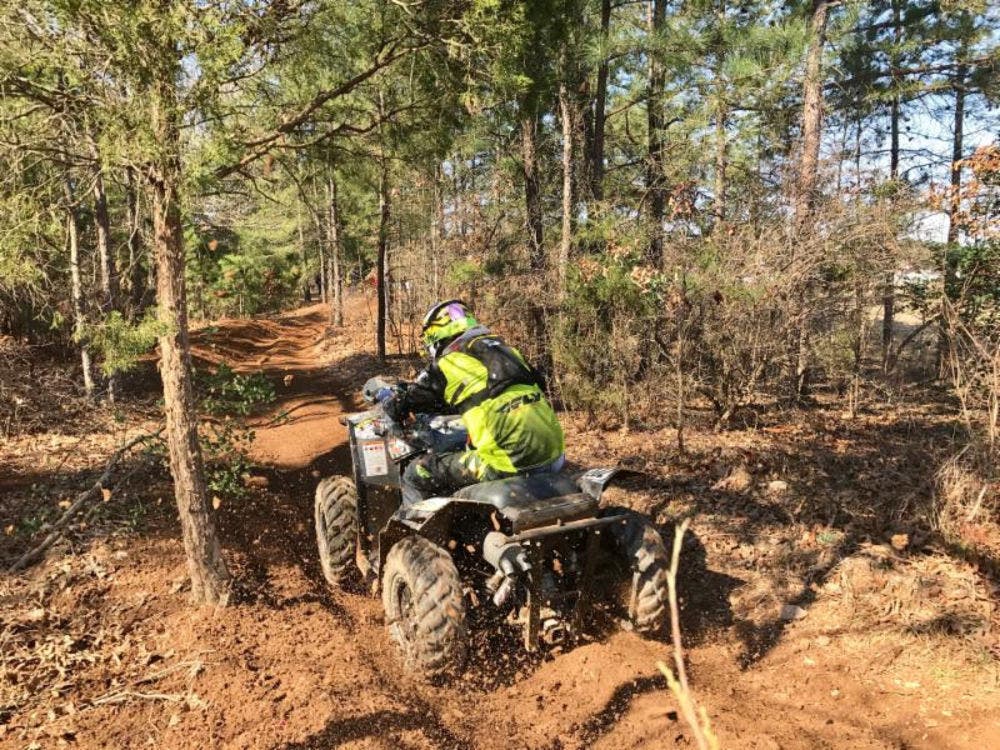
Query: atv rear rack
x=537, y=543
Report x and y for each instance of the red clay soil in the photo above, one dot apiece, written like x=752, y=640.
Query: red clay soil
x=123, y=661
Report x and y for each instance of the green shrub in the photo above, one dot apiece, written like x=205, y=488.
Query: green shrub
x=120, y=343
x=226, y=392
x=226, y=443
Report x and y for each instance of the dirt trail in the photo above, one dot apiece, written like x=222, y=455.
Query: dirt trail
x=315, y=382
x=297, y=666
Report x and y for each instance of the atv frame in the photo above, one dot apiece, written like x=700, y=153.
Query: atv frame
x=537, y=545
x=384, y=521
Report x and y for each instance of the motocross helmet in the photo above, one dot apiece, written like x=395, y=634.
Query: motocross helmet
x=443, y=322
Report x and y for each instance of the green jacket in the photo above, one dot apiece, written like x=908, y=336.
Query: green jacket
x=511, y=425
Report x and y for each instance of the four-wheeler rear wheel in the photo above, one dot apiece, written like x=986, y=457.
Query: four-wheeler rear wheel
x=424, y=608
x=639, y=546
x=336, y=527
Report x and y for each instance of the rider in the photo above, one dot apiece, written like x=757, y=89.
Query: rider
x=512, y=428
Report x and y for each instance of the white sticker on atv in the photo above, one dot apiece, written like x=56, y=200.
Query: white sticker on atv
x=398, y=448
x=376, y=463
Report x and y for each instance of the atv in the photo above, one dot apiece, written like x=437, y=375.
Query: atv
x=539, y=549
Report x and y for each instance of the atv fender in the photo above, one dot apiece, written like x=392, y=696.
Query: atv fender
x=593, y=482
x=431, y=519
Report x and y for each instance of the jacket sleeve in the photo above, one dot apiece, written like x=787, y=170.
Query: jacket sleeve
x=425, y=395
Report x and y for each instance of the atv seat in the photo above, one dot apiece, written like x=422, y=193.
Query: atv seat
x=534, y=500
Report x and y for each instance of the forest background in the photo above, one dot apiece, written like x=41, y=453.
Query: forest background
x=689, y=213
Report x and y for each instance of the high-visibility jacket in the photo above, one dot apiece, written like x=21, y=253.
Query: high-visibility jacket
x=511, y=425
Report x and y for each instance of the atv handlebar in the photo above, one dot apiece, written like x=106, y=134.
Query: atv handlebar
x=434, y=432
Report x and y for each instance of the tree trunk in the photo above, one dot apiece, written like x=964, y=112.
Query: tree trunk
x=721, y=162
x=209, y=575
x=894, y=138
x=566, y=108
x=437, y=231
x=137, y=275
x=109, y=269
x=305, y=277
x=957, y=151
x=655, y=173
x=532, y=190
x=950, y=267
x=721, y=140
x=600, y=109
x=458, y=193
x=385, y=216
x=76, y=282
x=888, y=282
x=333, y=234
x=805, y=198
x=324, y=281
x=812, y=114
x=857, y=347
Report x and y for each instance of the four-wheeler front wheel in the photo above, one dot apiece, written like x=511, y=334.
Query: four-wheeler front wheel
x=336, y=527
x=424, y=608
x=638, y=546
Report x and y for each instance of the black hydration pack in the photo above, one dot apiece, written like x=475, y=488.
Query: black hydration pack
x=504, y=366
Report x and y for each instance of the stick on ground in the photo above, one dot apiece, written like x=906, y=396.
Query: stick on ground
x=94, y=491
x=695, y=716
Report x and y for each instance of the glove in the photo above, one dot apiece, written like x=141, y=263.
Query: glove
x=394, y=408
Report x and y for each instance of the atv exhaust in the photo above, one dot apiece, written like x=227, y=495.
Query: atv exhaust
x=554, y=632
x=501, y=587
x=508, y=557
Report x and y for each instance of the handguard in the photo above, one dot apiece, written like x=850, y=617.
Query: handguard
x=374, y=389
